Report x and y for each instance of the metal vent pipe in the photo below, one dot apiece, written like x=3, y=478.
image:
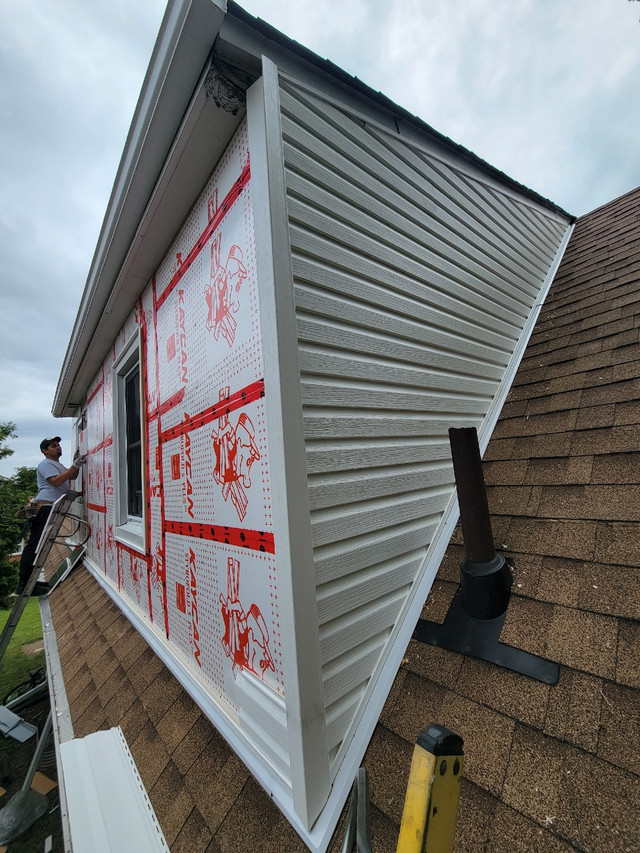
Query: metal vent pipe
x=485, y=577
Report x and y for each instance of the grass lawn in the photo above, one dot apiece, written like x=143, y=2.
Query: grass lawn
x=16, y=665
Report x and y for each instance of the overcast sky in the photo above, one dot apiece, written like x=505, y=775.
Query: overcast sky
x=545, y=90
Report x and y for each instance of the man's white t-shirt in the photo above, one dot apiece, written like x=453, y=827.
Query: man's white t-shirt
x=47, y=492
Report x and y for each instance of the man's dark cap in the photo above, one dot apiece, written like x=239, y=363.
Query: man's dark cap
x=47, y=441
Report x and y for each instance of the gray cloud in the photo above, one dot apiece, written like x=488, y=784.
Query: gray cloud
x=544, y=91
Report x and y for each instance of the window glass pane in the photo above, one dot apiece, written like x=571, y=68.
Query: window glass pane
x=133, y=442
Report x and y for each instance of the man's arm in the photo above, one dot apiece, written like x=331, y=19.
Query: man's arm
x=59, y=479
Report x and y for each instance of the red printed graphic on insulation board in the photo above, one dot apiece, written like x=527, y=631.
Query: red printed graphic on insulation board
x=176, y=345
x=138, y=573
x=223, y=291
x=235, y=452
x=194, y=616
x=246, y=637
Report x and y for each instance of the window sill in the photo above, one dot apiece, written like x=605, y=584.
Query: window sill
x=132, y=534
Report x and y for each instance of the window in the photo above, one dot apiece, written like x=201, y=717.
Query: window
x=133, y=432
x=128, y=447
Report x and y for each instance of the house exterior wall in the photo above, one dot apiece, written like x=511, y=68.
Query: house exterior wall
x=414, y=281
x=339, y=297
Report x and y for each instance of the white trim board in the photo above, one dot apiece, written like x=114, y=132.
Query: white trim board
x=109, y=809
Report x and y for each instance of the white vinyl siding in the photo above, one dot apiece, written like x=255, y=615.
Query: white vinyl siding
x=413, y=282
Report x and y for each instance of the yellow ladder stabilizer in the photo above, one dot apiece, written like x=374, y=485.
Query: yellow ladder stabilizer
x=433, y=793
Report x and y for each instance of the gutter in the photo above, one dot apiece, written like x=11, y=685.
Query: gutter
x=61, y=715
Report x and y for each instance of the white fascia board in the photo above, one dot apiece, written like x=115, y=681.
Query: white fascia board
x=187, y=33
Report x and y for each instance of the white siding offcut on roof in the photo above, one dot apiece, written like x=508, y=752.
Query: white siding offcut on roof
x=413, y=280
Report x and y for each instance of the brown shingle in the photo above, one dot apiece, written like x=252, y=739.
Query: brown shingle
x=170, y=799
x=600, y=805
x=513, y=831
x=193, y=744
x=475, y=826
x=613, y=590
x=618, y=544
x=145, y=669
x=387, y=760
x=627, y=413
x=161, y=693
x=91, y=719
x=421, y=705
x=79, y=683
x=560, y=470
x=149, y=754
x=573, y=714
x=602, y=502
x=616, y=439
x=438, y=665
x=178, y=719
x=256, y=825
x=133, y=721
x=214, y=785
x=506, y=473
x=628, y=661
x=509, y=693
x=195, y=836
x=619, y=742
x=439, y=600
x=554, y=538
x=535, y=775
x=120, y=702
x=560, y=581
x=487, y=739
x=616, y=468
x=581, y=640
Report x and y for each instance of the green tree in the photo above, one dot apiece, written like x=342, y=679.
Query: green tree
x=14, y=493
x=7, y=430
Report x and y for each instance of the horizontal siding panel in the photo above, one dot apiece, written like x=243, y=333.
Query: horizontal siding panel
x=342, y=394
x=426, y=210
x=338, y=715
x=340, y=271
x=344, y=522
x=263, y=719
x=436, y=271
x=422, y=309
x=438, y=348
x=327, y=363
x=350, y=632
x=339, y=559
x=326, y=425
x=325, y=457
x=352, y=669
x=328, y=491
x=347, y=595
x=394, y=169
x=414, y=241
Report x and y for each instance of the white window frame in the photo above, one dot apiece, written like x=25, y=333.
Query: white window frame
x=128, y=529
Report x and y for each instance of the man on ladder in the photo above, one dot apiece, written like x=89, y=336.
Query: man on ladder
x=52, y=477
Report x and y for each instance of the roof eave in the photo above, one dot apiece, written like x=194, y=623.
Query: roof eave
x=187, y=31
